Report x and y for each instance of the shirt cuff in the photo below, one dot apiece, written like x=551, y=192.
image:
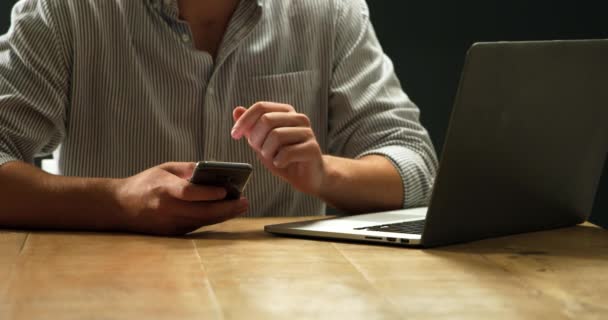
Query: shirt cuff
x=416, y=177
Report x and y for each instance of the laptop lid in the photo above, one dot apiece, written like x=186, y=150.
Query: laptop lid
x=527, y=140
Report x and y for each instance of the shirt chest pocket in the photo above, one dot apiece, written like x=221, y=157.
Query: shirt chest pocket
x=298, y=89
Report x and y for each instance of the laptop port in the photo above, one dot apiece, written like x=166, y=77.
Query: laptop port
x=391, y=239
x=405, y=241
x=373, y=238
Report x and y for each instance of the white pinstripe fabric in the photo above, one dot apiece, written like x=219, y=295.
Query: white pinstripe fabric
x=119, y=85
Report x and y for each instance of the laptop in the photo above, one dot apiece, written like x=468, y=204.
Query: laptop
x=524, y=151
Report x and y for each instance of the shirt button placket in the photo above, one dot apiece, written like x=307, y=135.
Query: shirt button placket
x=214, y=122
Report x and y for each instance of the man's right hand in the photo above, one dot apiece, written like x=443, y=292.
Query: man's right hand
x=162, y=201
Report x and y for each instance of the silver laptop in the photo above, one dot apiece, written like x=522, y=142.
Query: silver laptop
x=524, y=151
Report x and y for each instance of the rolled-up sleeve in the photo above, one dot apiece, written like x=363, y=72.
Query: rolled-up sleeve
x=33, y=84
x=369, y=111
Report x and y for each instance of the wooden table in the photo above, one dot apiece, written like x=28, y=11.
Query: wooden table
x=236, y=271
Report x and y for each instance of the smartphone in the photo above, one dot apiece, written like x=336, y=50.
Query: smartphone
x=230, y=175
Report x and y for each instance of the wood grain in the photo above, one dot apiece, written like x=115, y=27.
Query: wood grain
x=92, y=276
x=236, y=271
x=11, y=245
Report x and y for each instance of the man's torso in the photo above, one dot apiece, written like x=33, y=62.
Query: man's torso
x=141, y=94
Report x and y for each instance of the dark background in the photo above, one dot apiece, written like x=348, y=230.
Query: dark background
x=427, y=41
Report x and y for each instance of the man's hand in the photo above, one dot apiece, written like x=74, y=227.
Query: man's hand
x=161, y=201
x=284, y=143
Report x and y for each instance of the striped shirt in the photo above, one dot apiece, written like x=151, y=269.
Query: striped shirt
x=119, y=84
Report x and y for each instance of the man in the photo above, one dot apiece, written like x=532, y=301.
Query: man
x=137, y=90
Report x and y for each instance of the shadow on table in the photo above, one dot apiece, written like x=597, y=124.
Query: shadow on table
x=250, y=229
x=582, y=241
x=232, y=235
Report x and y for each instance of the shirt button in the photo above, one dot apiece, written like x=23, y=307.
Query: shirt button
x=210, y=91
x=185, y=38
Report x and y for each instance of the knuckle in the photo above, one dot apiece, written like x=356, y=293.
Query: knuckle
x=166, y=164
x=266, y=120
x=158, y=191
x=267, y=151
x=256, y=141
x=159, y=205
x=260, y=106
x=257, y=105
x=275, y=135
x=312, y=146
x=302, y=118
x=309, y=133
x=155, y=205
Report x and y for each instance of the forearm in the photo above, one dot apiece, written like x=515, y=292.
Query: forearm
x=371, y=183
x=31, y=198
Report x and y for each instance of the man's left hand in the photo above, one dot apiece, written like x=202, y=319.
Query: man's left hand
x=284, y=142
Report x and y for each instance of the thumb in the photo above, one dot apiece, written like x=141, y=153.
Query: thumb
x=238, y=112
x=180, y=169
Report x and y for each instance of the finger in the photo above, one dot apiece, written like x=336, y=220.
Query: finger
x=272, y=120
x=180, y=169
x=238, y=112
x=182, y=189
x=250, y=117
x=281, y=137
x=296, y=153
